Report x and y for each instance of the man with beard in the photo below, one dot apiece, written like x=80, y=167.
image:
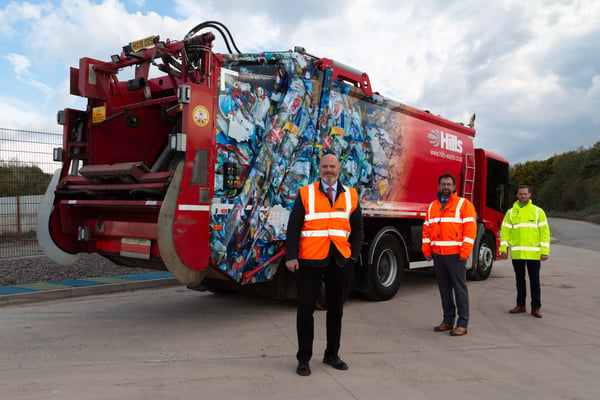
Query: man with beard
x=323, y=242
x=449, y=232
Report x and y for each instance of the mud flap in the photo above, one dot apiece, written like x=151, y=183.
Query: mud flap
x=166, y=243
x=44, y=237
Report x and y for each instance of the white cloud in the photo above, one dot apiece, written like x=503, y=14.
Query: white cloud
x=21, y=65
x=530, y=70
x=19, y=62
x=17, y=114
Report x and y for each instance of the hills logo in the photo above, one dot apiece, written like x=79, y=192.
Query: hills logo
x=446, y=141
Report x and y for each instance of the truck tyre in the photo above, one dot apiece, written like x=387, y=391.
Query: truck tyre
x=387, y=268
x=485, y=259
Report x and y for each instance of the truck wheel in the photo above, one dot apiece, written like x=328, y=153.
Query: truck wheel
x=387, y=270
x=485, y=260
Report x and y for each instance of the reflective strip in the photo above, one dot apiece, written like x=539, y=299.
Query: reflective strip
x=193, y=207
x=429, y=211
x=445, y=219
x=339, y=232
x=503, y=243
x=339, y=214
x=458, y=207
x=445, y=243
x=544, y=244
x=325, y=215
x=452, y=220
x=525, y=225
x=375, y=211
x=311, y=199
x=311, y=215
x=524, y=248
x=455, y=220
x=543, y=223
x=314, y=233
x=325, y=233
x=348, y=198
x=316, y=216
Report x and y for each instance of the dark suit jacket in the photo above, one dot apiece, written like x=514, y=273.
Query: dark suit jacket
x=294, y=228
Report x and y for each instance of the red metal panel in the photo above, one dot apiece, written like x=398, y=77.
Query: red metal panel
x=192, y=217
x=93, y=82
x=142, y=230
x=431, y=151
x=108, y=245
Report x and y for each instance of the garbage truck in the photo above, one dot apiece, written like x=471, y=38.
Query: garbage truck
x=189, y=161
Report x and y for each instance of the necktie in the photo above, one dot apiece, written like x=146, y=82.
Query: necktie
x=330, y=194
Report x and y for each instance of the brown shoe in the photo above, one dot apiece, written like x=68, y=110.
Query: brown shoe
x=458, y=331
x=536, y=313
x=443, y=327
x=518, y=309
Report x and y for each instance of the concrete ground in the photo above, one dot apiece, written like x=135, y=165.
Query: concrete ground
x=173, y=343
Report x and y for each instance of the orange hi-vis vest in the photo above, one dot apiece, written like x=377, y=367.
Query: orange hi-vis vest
x=450, y=230
x=324, y=223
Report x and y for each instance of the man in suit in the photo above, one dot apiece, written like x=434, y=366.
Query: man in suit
x=323, y=242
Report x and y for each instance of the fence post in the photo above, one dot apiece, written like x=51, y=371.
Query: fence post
x=18, y=214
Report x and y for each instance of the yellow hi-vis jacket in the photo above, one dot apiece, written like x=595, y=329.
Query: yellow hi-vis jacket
x=526, y=231
x=450, y=230
x=324, y=223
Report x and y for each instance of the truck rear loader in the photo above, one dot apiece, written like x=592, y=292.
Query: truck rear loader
x=192, y=162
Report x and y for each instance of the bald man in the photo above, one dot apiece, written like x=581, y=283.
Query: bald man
x=323, y=243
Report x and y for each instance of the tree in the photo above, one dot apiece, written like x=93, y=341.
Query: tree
x=17, y=179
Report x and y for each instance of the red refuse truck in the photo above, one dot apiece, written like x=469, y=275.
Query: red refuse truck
x=189, y=161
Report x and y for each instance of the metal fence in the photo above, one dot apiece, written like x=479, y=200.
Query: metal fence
x=26, y=167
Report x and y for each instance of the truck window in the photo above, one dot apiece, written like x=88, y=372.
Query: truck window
x=497, y=185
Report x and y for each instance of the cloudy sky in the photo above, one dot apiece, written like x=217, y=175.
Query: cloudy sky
x=530, y=70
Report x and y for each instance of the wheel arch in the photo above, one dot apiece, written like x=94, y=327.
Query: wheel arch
x=482, y=232
x=481, y=260
x=386, y=230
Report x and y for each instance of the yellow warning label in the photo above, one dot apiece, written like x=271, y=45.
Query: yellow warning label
x=142, y=43
x=98, y=114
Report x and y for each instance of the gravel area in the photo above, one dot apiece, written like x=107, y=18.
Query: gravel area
x=23, y=270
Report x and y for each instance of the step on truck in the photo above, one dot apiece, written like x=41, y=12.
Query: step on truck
x=189, y=161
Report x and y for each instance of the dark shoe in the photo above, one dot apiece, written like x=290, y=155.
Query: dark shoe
x=336, y=363
x=536, y=313
x=458, y=331
x=303, y=368
x=518, y=309
x=443, y=327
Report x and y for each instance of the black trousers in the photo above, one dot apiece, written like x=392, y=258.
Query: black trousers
x=308, y=284
x=533, y=270
x=451, y=274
